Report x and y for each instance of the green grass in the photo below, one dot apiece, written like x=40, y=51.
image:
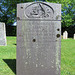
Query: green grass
x=68, y=57
x=8, y=57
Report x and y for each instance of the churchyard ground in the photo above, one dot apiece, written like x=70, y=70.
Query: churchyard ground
x=8, y=57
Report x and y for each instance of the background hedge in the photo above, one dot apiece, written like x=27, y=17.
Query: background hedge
x=70, y=30
x=11, y=30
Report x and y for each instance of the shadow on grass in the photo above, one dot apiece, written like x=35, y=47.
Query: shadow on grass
x=11, y=63
x=14, y=44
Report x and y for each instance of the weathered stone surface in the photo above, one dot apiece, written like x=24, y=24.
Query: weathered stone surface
x=38, y=41
x=2, y=34
x=65, y=35
x=74, y=36
x=36, y=10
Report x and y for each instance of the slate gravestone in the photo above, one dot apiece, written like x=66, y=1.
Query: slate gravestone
x=74, y=36
x=65, y=35
x=38, y=38
x=2, y=34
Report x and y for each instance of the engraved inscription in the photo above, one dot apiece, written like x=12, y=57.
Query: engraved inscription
x=39, y=10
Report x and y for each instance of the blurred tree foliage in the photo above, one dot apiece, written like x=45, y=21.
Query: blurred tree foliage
x=8, y=11
x=68, y=11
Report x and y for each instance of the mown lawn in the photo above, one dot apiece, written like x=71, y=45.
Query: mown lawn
x=8, y=57
x=68, y=57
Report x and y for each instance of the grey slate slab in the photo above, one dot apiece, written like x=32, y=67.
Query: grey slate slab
x=3, y=41
x=38, y=39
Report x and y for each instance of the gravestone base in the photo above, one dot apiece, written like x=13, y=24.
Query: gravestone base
x=2, y=34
